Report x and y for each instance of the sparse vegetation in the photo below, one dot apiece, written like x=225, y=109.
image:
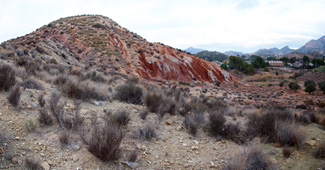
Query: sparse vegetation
x=122, y=117
x=64, y=138
x=129, y=92
x=44, y=117
x=294, y=86
x=29, y=125
x=147, y=133
x=32, y=83
x=251, y=158
x=321, y=85
x=153, y=101
x=14, y=96
x=104, y=142
x=286, y=151
x=32, y=164
x=7, y=77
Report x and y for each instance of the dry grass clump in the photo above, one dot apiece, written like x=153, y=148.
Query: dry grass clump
x=14, y=96
x=7, y=77
x=32, y=164
x=290, y=134
x=41, y=100
x=167, y=106
x=250, y=158
x=64, y=138
x=147, y=133
x=103, y=141
x=68, y=121
x=153, y=100
x=32, y=83
x=129, y=92
x=193, y=124
x=84, y=90
x=44, y=117
x=122, y=117
x=215, y=123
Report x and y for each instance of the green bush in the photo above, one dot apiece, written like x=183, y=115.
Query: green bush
x=294, y=86
x=307, y=82
x=310, y=88
x=321, y=85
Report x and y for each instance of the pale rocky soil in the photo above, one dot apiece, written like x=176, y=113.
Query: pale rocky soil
x=173, y=148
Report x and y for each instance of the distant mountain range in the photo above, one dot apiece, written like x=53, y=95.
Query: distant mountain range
x=193, y=50
x=315, y=48
x=274, y=51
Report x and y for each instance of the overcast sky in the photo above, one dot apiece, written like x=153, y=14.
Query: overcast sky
x=221, y=25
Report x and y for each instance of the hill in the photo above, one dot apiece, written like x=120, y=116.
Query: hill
x=98, y=42
x=193, y=50
x=314, y=46
x=233, y=53
x=272, y=52
x=212, y=56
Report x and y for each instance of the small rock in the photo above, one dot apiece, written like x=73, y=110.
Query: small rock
x=44, y=165
x=131, y=165
x=195, y=148
x=1, y=150
x=29, y=107
x=42, y=154
x=20, y=162
x=169, y=122
x=14, y=160
x=17, y=137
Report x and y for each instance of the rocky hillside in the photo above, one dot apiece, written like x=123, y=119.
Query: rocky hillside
x=193, y=50
x=274, y=51
x=314, y=46
x=99, y=42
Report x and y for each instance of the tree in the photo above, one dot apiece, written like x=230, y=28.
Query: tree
x=294, y=86
x=306, y=60
x=321, y=85
x=307, y=82
x=285, y=59
x=293, y=60
x=310, y=88
x=259, y=62
x=318, y=62
x=224, y=66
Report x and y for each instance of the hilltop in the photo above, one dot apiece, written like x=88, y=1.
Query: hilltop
x=98, y=42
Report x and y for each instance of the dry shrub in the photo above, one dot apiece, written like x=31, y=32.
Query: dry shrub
x=44, y=117
x=41, y=100
x=143, y=114
x=191, y=126
x=147, y=133
x=133, y=155
x=85, y=90
x=307, y=118
x=104, y=142
x=68, y=121
x=96, y=76
x=167, y=106
x=61, y=80
x=32, y=83
x=250, y=158
x=153, y=101
x=129, y=92
x=319, y=151
x=215, y=123
x=286, y=151
x=122, y=117
x=14, y=96
x=7, y=77
x=231, y=131
x=290, y=134
x=32, y=164
x=64, y=138
x=184, y=109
